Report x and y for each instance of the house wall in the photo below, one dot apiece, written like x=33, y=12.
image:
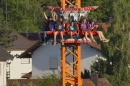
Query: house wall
x=41, y=56
x=2, y=74
x=17, y=68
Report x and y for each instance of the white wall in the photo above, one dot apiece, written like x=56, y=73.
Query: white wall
x=40, y=58
x=2, y=74
x=16, y=68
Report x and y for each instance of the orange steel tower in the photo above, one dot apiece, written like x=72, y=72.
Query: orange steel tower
x=75, y=3
x=71, y=72
x=70, y=76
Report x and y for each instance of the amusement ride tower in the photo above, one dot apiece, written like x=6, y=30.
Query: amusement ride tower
x=71, y=72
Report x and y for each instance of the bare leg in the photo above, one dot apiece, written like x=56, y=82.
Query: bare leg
x=71, y=34
x=86, y=36
x=91, y=35
x=62, y=38
x=55, y=34
x=99, y=35
x=102, y=37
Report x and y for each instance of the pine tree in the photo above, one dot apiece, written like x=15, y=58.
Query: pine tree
x=117, y=50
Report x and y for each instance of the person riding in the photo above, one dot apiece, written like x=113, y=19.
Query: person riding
x=73, y=28
x=59, y=28
x=84, y=28
x=93, y=28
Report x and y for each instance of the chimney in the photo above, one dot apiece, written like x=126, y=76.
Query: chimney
x=94, y=79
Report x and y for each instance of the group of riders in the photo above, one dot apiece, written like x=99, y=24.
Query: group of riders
x=59, y=25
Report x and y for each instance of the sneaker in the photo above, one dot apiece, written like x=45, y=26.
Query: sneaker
x=107, y=40
x=94, y=40
x=44, y=43
x=87, y=39
x=54, y=43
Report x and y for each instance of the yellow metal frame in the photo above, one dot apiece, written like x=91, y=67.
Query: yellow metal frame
x=70, y=76
x=75, y=3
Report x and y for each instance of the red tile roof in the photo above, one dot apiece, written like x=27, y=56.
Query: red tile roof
x=86, y=82
x=103, y=82
x=21, y=82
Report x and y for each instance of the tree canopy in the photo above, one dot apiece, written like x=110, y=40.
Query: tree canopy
x=116, y=68
x=6, y=36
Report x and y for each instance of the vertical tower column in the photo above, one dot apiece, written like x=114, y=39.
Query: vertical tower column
x=71, y=72
x=63, y=65
x=77, y=3
x=78, y=50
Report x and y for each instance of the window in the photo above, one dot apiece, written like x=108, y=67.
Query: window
x=53, y=63
x=25, y=60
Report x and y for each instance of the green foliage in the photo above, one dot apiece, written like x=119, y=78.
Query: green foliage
x=103, y=13
x=6, y=36
x=16, y=83
x=117, y=50
x=49, y=80
x=25, y=15
x=31, y=84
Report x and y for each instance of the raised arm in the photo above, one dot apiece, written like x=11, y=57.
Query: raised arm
x=66, y=15
x=53, y=15
x=45, y=15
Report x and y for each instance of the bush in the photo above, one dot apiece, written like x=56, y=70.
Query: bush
x=49, y=80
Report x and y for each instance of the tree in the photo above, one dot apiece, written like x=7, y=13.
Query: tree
x=49, y=80
x=26, y=15
x=101, y=14
x=117, y=50
x=6, y=38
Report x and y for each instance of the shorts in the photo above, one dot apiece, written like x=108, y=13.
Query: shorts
x=59, y=29
x=72, y=30
x=84, y=30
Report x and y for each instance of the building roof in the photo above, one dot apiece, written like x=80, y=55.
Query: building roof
x=21, y=82
x=27, y=75
x=29, y=51
x=21, y=43
x=30, y=36
x=86, y=82
x=4, y=55
x=103, y=82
